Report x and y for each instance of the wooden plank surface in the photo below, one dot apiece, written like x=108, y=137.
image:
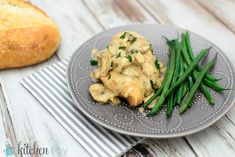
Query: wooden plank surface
x=75, y=22
x=3, y=137
x=190, y=15
x=30, y=121
x=222, y=10
x=22, y=118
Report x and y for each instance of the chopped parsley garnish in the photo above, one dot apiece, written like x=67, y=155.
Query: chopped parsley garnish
x=151, y=82
x=134, y=51
x=118, y=55
x=107, y=46
x=129, y=58
x=151, y=47
x=109, y=76
x=112, y=64
x=93, y=62
x=122, y=47
x=157, y=65
x=123, y=35
x=133, y=40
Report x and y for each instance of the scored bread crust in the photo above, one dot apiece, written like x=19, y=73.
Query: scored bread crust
x=27, y=35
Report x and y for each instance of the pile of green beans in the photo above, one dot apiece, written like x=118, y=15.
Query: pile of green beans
x=183, y=77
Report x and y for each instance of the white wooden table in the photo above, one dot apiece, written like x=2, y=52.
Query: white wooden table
x=23, y=119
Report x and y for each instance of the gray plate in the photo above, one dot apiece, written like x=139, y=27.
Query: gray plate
x=126, y=120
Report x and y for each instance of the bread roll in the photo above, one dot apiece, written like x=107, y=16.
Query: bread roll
x=27, y=35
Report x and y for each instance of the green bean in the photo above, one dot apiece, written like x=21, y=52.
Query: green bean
x=185, y=85
x=190, y=52
x=170, y=105
x=185, y=53
x=203, y=88
x=171, y=99
x=163, y=95
x=190, y=103
x=195, y=86
x=214, y=85
x=205, y=91
x=183, y=90
x=179, y=94
x=190, y=82
x=207, y=94
x=190, y=85
x=189, y=70
x=188, y=44
x=178, y=60
x=174, y=102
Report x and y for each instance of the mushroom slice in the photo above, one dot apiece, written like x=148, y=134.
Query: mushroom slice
x=102, y=94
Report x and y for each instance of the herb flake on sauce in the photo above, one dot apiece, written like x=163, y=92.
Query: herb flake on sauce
x=93, y=62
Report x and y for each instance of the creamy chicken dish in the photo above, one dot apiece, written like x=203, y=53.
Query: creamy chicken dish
x=127, y=68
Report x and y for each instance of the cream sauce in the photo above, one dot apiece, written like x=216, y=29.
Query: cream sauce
x=126, y=69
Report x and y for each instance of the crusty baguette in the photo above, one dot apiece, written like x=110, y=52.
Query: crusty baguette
x=27, y=35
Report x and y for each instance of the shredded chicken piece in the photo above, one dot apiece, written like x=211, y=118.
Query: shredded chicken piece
x=102, y=94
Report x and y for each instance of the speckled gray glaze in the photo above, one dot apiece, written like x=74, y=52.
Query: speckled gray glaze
x=127, y=120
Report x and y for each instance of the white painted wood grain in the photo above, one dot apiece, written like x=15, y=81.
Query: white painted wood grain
x=3, y=137
x=169, y=147
x=221, y=9
x=75, y=22
x=113, y=13
x=14, y=116
x=190, y=15
x=218, y=140
x=30, y=120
